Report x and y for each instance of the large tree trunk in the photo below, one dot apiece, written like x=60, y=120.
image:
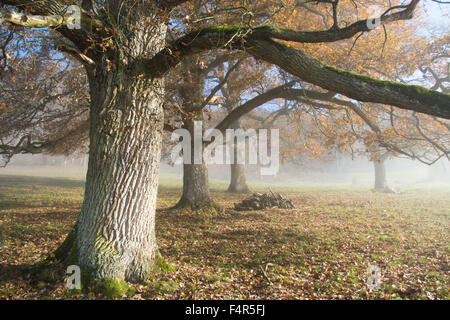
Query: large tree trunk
x=116, y=228
x=115, y=234
x=196, y=194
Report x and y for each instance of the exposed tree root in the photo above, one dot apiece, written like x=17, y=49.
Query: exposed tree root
x=387, y=190
x=243, y=188
x=206, y=206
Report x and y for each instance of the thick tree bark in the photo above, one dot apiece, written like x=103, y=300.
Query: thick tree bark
x=116, y=228
x=196, y=194
x=115, y=234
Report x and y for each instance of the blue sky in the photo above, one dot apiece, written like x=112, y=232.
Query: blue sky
x=437, y=17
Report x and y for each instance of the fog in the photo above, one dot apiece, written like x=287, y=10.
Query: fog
x=343, y=171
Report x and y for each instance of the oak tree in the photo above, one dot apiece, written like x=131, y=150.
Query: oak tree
x=124, y=48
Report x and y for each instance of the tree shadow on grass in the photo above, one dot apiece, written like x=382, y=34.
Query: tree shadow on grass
x=45, y=273
x=11, y=180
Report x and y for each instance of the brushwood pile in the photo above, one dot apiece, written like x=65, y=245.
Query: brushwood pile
x=262, y=201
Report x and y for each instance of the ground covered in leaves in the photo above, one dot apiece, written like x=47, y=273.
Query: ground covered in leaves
x=320, y=250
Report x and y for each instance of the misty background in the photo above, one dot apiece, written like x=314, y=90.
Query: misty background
x=342, y=170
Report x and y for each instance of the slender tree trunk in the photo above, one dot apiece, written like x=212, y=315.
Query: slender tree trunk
x=380, y=174
x=196, y=194
x=238, y=182
x=380, y=177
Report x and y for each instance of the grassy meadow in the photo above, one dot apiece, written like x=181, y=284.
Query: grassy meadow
x=320, y=250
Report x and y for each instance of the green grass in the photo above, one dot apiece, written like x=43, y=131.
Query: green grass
x=322, y=249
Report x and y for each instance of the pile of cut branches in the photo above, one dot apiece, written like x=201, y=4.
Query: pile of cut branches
x=262, y=201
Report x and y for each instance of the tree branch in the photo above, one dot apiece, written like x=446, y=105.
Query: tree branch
x=34, y=21
x=25, y=145
x=53, y=14
x=299, y=64
x=282, y=92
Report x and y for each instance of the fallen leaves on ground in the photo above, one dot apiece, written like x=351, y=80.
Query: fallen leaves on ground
x=320, y=250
